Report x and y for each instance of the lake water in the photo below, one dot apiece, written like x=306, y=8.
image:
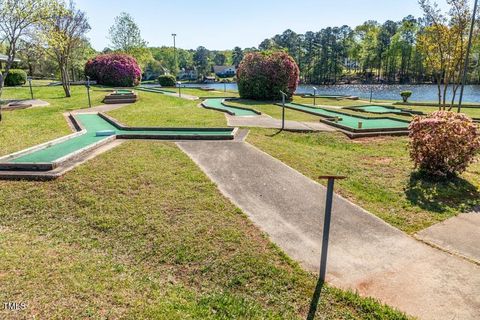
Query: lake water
x=381, y=92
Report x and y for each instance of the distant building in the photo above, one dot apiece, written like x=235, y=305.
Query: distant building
x=225, y=71
x=188, y=74
x=4, y=58
x=209, y=79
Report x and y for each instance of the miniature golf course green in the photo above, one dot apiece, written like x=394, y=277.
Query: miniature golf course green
x=217, y=104
x=384, y=110
x=156, y=90
x=351, y=122
x=379, y=109
x=97, y=128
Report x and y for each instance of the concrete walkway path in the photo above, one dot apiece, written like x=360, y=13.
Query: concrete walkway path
x=459, y=235
x=365, y=253
x=263, y=121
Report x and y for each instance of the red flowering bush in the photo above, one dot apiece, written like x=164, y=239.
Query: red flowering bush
x=443, y=143
x=261, y=75
x=114, y=69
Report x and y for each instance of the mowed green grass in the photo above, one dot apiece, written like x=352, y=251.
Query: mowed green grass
x=203, y=93
x=20, y=129
x=141, y=233
x=381, y=177
x=471, y=112
x=273, y=110
x=155, y=109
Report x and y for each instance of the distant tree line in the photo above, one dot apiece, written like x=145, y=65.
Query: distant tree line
x=391, y=52
x=49, y=37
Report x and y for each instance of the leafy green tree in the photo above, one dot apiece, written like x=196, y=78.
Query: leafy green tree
x=201, y=60
x=237, y=56
x=443, y=43
x=220, y=59
x=125, y=36
x=125, y=33
x=19, y=18
x=64, y=37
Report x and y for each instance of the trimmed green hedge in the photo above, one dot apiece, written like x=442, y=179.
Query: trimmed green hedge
x=15, y=77
x=167, y=80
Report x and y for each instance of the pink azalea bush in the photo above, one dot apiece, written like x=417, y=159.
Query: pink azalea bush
x=261, y=75
x=443, y=143
x=114, y=69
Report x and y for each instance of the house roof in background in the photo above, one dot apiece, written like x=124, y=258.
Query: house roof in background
x=220, y=69
x=4, y=58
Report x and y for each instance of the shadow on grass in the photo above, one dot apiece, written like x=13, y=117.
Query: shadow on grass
x=275, y=134
x=440, y=195
x=315, y=300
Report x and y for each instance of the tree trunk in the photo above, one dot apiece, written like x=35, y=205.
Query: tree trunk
x=65, y=80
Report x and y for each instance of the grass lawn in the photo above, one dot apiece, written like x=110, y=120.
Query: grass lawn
x=155, y=109
x=202, y=93
x=329, y=102
x=140, y=232
x=24, y=128
x=380, y=177
x=275, y=111
x=471, y=112
x=127, y=235
x=269, y=108
x=151, y=110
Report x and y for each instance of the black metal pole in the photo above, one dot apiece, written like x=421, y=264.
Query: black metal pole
x=88, y=92
x=325, y=238
x=174, y=35
x=314, y=96
x=30, y=84
x=467, y=56
x=326, y=228
x=283, y=110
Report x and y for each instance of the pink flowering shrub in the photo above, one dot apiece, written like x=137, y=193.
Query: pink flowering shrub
x=114, y=69
x=443, y=143
x=261, y=76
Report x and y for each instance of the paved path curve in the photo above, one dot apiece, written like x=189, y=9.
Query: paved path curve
x=365, y=253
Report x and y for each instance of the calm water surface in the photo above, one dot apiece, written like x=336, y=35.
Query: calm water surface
x=381, y=92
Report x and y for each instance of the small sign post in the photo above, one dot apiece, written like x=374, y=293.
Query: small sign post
x=179, y=89
x=88, y=92
x=30, y=84
x=284, y=96
x=325, y=237
x=314, y=96
x=326, y=223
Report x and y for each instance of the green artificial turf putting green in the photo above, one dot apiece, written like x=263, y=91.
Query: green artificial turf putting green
x=352, y=121
x=217, y=104
x=93, y=123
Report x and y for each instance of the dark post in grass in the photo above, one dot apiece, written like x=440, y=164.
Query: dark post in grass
x=314, y=96
x=174, y=35
x=30, y=84
x=467, y=56
x=325, y=238
x=224, y=87
x=88, y=92
x=284, y=95
x=179, y=89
